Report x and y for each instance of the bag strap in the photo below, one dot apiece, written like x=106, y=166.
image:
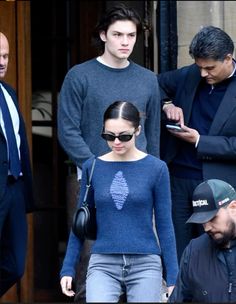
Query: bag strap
x=89, y=178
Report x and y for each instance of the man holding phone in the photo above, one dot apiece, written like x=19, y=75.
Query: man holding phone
x=201, y=99
x=174, y=126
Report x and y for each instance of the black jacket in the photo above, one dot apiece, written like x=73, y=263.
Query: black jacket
x=217, y=149
x=204, y=274
x=25, y=158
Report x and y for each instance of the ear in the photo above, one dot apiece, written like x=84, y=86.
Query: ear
x=103, y=36
x=232, y=207
x=229, y=58
x=138, y=130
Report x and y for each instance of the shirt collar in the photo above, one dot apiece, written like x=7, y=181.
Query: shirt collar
x=234, y=63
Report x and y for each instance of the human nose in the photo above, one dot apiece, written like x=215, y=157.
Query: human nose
x=125, y=40
x=207, y=227
x=204, y=73
x=117, y=140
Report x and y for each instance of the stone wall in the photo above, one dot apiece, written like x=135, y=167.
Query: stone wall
x=192, y=15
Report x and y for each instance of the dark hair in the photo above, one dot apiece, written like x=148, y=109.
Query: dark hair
x=123, y=109
x=115, y=13
x=211, y=43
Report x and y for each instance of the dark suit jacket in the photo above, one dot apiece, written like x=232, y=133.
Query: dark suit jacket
x=25, y=158
x=217, y=150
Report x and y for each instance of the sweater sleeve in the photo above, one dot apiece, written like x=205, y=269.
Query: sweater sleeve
x=74, y=245
x=72, y=256
x=152, y=123
x=164, y=225
x=69, y=119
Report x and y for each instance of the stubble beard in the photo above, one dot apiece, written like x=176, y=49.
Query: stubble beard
x=227, y=236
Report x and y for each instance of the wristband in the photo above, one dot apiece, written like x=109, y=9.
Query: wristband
x=166, y=102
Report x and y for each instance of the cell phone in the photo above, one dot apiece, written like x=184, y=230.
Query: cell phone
x=175, y=127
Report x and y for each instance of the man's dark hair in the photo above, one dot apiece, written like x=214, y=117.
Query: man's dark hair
x=118, y=12
x=211, y=43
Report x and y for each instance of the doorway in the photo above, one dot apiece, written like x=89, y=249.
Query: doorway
x=60, y=38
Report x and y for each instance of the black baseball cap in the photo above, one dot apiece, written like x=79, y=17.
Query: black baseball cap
x=208, y=198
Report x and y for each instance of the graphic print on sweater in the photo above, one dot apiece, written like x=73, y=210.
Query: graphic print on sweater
x=119, y=190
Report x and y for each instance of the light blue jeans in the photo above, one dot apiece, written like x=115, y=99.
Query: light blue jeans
x=109, y=275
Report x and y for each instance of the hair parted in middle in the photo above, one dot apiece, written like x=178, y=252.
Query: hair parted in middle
x=125, y=110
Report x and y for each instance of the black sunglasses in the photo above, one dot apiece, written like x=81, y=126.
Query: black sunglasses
x=121, y=137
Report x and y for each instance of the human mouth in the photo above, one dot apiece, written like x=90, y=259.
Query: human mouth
x=208, y=80
x=117, y=148
x=214, y=235
x=124, y=50
x=2, y=72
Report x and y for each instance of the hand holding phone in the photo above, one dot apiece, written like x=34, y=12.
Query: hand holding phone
x=174, y=127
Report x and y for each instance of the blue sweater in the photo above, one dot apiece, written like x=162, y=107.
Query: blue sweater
x=88, y=89
x=125, y=194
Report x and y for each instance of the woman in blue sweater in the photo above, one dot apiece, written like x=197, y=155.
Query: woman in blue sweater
x=128, y=185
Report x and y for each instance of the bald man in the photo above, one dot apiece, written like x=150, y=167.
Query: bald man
x=16, y=195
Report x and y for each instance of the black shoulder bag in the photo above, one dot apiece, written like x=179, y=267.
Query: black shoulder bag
x=84, y=224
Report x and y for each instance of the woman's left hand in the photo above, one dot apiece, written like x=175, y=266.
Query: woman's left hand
x=170, y=289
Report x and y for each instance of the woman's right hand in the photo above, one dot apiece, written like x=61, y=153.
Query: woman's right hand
x=66, y=286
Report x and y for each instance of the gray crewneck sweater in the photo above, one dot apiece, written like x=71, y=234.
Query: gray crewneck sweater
x=88, y=89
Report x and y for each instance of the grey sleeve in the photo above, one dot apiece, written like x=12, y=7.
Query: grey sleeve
x=69, y=121
x=152, y=122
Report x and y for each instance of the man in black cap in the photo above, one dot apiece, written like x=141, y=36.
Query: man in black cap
x=208, y=265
